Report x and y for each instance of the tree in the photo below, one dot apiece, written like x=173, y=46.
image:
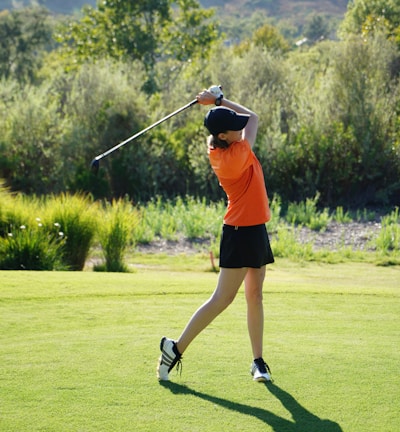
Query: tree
x=144, y=30
x=316, y=29
x=118, y=29
x=366, y=17
x=267, y=37
x=190, y=33
x=24, y=34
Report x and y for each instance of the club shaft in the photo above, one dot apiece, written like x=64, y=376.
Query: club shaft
x=137, y=135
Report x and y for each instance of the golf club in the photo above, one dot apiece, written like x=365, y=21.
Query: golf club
x=96, y=161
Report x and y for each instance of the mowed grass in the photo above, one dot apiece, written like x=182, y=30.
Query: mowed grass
x=78, y=352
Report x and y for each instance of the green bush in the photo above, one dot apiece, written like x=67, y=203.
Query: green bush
x=306, y=213
x=189, y=217
x=116, y=227
x=75, y=216
x=31, y=139
x=388, y=239
x=328, y=123
x=31, y=249
x=286, y=245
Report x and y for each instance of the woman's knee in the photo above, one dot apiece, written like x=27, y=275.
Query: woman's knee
x=222, y=299
x=254, y=296
x=254, y=281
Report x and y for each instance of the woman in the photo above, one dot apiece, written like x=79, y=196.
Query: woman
x=244, y=248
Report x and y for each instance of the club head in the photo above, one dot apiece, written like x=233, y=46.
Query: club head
x=95, y=166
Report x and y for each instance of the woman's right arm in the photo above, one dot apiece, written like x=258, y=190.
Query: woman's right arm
x=250, y=131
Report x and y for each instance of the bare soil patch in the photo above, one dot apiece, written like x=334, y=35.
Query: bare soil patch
x=354, y=235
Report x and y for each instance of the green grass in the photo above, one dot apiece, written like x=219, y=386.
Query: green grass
x=78, y=351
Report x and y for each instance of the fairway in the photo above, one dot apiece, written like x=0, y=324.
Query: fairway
x=78, y=352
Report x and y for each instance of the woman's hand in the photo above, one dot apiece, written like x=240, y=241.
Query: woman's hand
x=206, y=98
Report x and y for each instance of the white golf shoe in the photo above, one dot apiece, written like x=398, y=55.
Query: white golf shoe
x=260, y=370
x=170, y=356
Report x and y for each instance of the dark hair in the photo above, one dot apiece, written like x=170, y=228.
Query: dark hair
x=218, y=143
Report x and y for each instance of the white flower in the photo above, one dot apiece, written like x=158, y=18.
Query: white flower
x=22, y=227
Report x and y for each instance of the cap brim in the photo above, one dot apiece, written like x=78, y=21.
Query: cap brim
x=240, y=122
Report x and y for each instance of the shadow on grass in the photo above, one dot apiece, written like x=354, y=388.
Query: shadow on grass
x=303, y=420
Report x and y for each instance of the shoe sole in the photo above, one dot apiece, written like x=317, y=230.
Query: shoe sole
x=261, y=379
x=159, y=362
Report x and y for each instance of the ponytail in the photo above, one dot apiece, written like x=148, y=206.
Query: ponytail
x=215, y=142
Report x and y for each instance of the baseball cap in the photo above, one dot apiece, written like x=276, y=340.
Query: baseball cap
x=222, y=119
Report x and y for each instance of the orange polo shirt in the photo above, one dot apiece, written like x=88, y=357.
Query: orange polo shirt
x=240, y=175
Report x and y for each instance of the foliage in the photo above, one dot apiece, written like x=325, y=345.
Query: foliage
x=118, y=222
x=25, y=243
x=76, y=219
x=329, y=117
x=316, y=29
x=368, y=17
x=24, y=34
x=337, y=138
x=31, y=127
x=138, y=30
x=190, y=33
x=341, y=216
x=189, y=217
x=61, y=232
x=306, y=213
x=285, y=243
x=116, y=29
x=389, y=236
x=26, y=248
x=267, y=37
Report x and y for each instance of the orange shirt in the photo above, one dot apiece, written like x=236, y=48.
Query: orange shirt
x=240, y=175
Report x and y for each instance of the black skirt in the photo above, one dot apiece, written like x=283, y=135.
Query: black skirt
x=245, y=247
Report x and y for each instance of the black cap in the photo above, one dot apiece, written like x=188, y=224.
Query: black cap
x=222, y=119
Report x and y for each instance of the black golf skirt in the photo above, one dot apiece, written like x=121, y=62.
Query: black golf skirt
x=245, y=247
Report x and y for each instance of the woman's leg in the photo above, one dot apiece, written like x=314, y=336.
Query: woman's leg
x=229, y=282
x=253, y=284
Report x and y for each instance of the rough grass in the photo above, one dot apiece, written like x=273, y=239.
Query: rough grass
x=78, y=352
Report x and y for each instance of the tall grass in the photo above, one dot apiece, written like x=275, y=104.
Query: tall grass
x=341, y=216
x=25, y=244
x=285, y=244
x=31, y=229
x=389, y=236
x=171, y=219
x=17, y=211
x=76, y=217
x=117, y=224
x=306, y=213
x=66, y=229
x=31, y=249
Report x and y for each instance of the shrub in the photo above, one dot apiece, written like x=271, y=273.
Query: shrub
x=31, y=249
x=389, y=236
x=341, y=216
x=74, y=216
x=285, y=244
x=31, y=152
x=115, y=231
x=169, y=219
x=306, y=213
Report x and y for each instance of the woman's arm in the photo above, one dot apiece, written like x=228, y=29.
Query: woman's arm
x=250, y=131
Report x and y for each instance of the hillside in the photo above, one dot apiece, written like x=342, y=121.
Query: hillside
x=279, y=9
